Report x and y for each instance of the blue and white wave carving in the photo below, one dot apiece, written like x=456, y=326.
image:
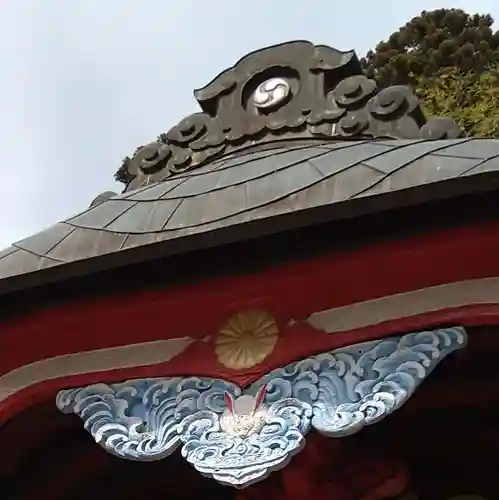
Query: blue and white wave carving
x=241, y=459
x=240, y=437
x=138, y=419
x=359, y=385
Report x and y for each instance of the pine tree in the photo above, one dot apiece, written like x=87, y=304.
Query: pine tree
x=431, y=41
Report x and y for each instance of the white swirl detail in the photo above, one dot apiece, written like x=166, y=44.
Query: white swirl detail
x=240, y=439
x=271, y=92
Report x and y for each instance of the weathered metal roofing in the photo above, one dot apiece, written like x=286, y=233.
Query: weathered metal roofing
x=336, y=179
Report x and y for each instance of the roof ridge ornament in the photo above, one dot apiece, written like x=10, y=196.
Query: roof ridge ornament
x=294, y=90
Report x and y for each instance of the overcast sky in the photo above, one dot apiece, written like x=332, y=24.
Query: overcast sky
x=83, y=82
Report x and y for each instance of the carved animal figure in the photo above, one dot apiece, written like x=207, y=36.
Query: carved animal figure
x=244, y=415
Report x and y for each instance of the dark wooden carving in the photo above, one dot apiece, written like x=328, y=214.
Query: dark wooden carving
x=296, y=90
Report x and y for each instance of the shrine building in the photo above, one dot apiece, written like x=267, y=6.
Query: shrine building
x=296, y=296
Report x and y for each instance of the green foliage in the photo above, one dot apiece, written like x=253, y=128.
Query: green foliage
x=122, y=174
x=471, y=99
x=451, y=58
x=431, y=41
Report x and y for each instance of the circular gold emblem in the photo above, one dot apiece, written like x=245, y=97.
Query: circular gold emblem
x=246, y=339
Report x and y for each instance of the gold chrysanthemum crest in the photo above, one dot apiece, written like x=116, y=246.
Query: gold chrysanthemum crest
x=246, y=339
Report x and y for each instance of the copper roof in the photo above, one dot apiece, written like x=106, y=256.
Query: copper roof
x=335, y=147
x=254, y=187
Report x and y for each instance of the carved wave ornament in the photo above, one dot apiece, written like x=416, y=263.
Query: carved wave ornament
x=295, y=90
x=239, y=436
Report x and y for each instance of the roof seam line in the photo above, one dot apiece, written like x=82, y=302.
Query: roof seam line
x=378, y=181
x=494, y=157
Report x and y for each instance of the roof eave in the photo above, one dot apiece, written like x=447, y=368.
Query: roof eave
x=388, y=202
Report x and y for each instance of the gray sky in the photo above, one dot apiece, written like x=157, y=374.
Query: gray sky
x=83, y=82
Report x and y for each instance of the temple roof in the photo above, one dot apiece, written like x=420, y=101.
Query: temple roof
x=291, y=136
x=335, y=180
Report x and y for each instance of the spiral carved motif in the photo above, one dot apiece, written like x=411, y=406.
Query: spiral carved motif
x=354, y=90
x=188, y=130
x=393, y=102
x=150, y=159
x=271, y=92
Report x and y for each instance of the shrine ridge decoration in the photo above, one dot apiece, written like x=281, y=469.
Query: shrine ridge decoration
x=239, y=436
x=295, y=90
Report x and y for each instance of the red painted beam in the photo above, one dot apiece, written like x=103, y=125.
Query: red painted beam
x=290, y=292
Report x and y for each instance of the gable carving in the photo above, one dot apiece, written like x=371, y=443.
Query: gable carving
x=295, y=90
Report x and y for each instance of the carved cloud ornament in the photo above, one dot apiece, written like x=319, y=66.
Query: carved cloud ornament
x=239, y=436
x=295, y=90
